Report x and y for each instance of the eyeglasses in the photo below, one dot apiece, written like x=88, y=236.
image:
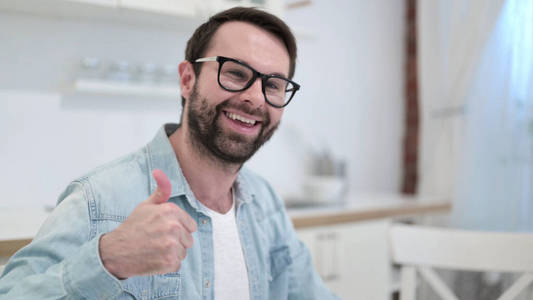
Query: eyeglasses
x=236, y=76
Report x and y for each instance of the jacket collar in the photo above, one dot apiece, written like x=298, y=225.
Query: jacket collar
x=161, y=156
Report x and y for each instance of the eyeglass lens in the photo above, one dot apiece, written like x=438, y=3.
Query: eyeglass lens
x=235, y=77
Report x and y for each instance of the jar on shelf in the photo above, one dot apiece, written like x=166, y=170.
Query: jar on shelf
x=90, y=68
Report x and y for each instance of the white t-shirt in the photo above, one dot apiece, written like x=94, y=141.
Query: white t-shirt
x=231, y=275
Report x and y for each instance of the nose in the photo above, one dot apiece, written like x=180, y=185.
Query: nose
x=254, y=94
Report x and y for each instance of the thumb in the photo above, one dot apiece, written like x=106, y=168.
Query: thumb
x=162, y=192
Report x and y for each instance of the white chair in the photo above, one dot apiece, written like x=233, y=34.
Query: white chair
x=419, y=249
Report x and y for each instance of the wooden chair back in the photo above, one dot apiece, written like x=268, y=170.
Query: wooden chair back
x=419, y=249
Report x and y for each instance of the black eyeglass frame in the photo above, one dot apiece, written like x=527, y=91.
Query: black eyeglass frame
x=255, y=74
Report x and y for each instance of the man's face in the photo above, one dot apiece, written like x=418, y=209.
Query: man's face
x=233, y=126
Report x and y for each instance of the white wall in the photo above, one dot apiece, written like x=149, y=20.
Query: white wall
x=48, y=139
x=350, y=69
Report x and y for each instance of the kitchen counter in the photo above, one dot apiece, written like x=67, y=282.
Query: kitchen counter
x=369, y=207
x=17, y=231
x=18, y=225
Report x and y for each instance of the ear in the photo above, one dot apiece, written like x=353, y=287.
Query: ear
x=187, y=78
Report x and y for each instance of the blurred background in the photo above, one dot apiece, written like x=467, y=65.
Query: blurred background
x=57, y=123
x=399, y=98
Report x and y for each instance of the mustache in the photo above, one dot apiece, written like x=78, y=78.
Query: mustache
x=258, y=112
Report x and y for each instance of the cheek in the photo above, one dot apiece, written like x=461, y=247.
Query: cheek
x=208, y=86
x=275, y=116
x=214, y=93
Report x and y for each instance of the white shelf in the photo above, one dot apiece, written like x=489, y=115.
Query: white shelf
x=97, y=87
x=107, y=11
x=181, y=16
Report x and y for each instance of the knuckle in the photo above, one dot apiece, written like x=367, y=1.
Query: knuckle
x=189, y=241
x=171, y=208
x=166, y=208
x=191, y=224
x=173, y=227
x=169, y=246
x=179, y=257
x=169, y=259
x=158, y=215
x=182, y=254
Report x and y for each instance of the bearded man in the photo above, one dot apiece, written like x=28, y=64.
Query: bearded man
x=181, y=218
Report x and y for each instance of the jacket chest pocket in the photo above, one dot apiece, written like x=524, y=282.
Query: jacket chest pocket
x=280, y=261
x=167, y=286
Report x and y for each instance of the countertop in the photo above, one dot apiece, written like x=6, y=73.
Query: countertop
x=368, y=207
x=19, y=225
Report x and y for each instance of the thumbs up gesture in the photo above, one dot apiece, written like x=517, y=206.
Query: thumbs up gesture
x=152, y=240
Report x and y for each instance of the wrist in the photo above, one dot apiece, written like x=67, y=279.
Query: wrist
x=108, y=259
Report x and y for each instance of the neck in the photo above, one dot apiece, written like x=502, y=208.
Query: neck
x=209, y=178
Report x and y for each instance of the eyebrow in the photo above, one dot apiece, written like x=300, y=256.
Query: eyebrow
x=275, y=73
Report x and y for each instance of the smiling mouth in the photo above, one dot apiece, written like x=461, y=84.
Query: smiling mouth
x=241, y=120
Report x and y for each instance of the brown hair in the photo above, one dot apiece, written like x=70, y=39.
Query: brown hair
x=199, y=41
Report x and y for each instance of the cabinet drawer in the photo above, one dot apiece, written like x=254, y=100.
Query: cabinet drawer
x=352, y=258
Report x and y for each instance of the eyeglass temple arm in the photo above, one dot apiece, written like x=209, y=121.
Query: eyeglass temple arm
x=212, y=58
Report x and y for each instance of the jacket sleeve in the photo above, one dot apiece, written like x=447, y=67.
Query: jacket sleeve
x=62, y=261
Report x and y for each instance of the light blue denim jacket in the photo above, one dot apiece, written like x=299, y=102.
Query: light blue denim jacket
x=63, y=262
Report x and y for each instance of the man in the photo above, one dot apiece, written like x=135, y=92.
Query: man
x=210, y=230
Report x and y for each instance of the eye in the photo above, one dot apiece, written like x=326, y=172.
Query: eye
x=277, y=85
x=271, y=85
x=236, y=74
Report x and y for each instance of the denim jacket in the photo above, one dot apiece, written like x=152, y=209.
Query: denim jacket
x=63, y=262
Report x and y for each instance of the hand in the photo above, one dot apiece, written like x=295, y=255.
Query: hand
x=152, y=240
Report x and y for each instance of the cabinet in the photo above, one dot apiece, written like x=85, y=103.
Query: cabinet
x=174, y=7
x=349, y=244
x=135, y=10
x=273, y=6
x=110, y=3
x=352, y=258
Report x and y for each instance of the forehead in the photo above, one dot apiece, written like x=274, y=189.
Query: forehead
x=249, y=43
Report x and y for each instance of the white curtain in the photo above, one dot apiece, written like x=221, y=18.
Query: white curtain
x=475, y=67
x=476, y=93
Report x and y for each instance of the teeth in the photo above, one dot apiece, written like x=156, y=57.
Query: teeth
x=240, y=118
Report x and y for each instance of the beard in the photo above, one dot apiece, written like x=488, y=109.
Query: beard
x=225, y=145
